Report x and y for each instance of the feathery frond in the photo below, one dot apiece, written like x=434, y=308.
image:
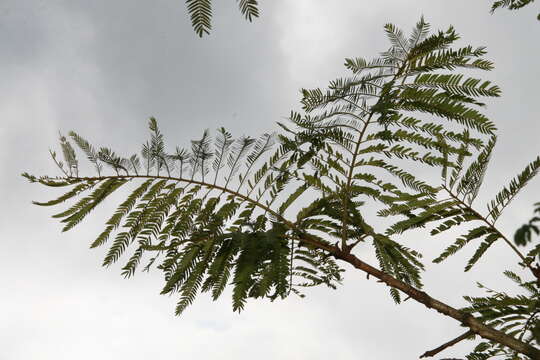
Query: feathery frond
x=507, y=194
x=88, y=149
x=511, y=5
x=216, y=214
x=249, y=8
x=200, y=12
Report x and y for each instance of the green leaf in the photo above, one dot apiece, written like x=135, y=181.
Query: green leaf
x=507, y=194
x=200, y=12
x=88, y=149
x=78, y=212
x=249, y=8
x=464, y=240
x=473, y=178
x=484, y=246
x=70, y=194
x=295, y=195
x=122, y=210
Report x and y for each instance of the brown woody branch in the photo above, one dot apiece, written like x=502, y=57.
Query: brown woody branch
x=475, y=325
x=446, y=345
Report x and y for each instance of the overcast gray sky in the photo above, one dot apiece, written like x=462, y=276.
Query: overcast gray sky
x=102, y=68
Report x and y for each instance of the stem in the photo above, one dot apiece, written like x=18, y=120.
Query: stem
x=189, y=181
x=349, y=180
x=476, y=326
x=355, y=155
x=527, y=324
x=58, y=164
x=448, y=344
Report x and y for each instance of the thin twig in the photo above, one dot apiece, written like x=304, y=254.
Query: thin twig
x=446, y=345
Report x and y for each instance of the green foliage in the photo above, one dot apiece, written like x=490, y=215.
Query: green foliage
x=203, y=227
x=469, y=184
x=69, y=157
x=200, y=12
x=226, y=212
x=368, y=121
x=505, y=196
x=515, y=315
x=462, y=184
x=218, y=214
x=511, y=5
x=524, y=235
x=249, y=8
x=88, y=149
x=76, y=213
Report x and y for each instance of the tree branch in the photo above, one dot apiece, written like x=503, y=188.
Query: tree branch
x=446, y=345
x=475, y=325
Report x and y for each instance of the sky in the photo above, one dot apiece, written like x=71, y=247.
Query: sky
x=101, y=68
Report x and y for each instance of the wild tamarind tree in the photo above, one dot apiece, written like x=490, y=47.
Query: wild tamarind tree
x=270, y=216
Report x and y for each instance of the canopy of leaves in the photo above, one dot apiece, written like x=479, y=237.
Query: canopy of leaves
x=258, y=216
